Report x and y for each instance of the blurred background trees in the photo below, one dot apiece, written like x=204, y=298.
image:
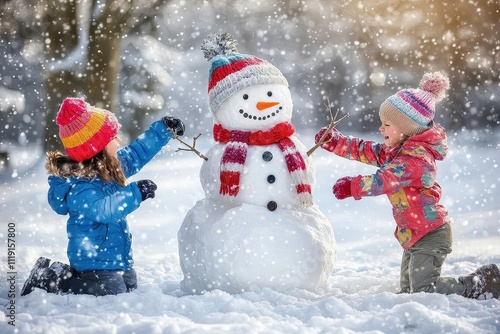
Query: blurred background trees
x=141, y=58
x=80, y=48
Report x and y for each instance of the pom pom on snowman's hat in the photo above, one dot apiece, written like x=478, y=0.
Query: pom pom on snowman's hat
x=231, y=71
x=218, y=44
x=412, y=111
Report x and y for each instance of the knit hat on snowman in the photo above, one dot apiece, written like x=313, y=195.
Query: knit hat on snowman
x=85, y=130
x=412, y=111
x=231, y=71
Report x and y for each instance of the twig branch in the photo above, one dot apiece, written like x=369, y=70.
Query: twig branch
x=333, y=123
x=191, y=147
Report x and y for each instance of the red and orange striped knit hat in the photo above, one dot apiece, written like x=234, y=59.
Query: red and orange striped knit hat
x=85, y=130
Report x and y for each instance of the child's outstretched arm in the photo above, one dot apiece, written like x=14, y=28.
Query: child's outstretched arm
x=146, y=146
x=352, y=148
x=389, y=179
x=94, y=204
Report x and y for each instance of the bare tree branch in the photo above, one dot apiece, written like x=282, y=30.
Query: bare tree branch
x=333, y=123
x=191, y=147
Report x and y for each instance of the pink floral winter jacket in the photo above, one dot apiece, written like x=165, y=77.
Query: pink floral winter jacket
x=407, y=175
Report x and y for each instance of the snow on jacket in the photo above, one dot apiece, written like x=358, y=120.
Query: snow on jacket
x=98, y=233
x=407, y=175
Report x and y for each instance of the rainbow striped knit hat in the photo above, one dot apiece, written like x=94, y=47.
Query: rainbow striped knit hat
x=85, y=130
x=412, y=111
x=231, y=71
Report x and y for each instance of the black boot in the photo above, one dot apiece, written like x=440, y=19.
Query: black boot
x=63, y=273
x=41, y=276
x=484, y=283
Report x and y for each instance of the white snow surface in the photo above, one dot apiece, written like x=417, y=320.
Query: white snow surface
x=360, y=296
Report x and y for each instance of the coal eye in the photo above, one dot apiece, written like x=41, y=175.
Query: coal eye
x=269, y=93
x=245, y=96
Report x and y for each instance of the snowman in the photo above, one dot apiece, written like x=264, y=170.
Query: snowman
x=257, y=226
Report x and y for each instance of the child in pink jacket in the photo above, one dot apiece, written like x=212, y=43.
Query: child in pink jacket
x=407, y=175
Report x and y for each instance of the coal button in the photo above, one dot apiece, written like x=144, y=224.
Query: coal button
x=267, y=156
x=271, y=178
x=271, y=205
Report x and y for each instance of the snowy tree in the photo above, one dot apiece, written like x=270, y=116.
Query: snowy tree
x=82, y=46
x=355, y=53
x=83, y=43
x=460, y=38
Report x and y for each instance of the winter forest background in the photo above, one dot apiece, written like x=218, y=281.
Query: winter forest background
x=142, y=59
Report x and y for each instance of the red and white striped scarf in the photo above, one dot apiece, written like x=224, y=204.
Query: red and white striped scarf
x=234, y=157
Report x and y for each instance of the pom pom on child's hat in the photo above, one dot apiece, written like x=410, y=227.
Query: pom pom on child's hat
x=412, y=111
x=231, y=71
x=85, y=130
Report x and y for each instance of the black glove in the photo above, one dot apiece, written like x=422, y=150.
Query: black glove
x=174, y=124
x=147, y=189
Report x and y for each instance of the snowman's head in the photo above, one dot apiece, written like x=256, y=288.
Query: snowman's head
x=232, y=72
x=257, y=107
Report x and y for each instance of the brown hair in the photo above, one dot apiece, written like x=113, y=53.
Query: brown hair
x=108, y=168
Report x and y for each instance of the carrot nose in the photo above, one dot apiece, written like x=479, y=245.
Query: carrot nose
x=265, y=105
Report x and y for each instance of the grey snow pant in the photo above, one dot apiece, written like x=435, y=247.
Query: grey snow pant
x=421, y=265
x=101, y=282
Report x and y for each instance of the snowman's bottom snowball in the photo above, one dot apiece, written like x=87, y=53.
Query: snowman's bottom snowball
x=235, y=248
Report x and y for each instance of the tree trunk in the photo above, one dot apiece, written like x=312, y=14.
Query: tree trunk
x=105, y=42
x=100, y=80
x=58, y=85
x=95, y=77
x=61, y=40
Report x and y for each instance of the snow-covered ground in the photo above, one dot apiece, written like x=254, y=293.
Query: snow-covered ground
x=360, y=296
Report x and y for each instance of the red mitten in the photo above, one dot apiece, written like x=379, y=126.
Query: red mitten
x=331, y=139
x=342, y=188
x=320, y=134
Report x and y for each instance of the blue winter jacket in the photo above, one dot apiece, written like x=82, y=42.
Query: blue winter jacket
x=98, y=233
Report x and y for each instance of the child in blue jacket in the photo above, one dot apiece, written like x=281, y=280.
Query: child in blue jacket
x=89, y=185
